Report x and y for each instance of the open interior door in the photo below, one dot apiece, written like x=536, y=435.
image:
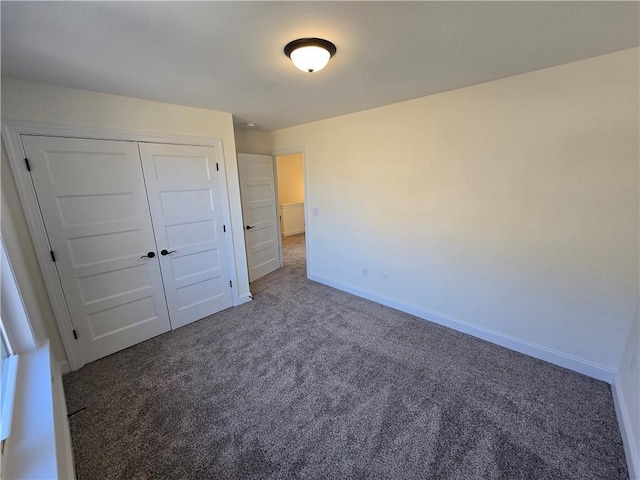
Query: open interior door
x=260, y=214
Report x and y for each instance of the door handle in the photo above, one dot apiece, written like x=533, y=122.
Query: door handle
x=149, y=255
x=164, y=252
x=248, y=227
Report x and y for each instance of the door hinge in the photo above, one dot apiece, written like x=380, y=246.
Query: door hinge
x=217, y=167
x=75, y=335
x=26, y=162
x=224, y=228
x=53, y=255
x=230, y=283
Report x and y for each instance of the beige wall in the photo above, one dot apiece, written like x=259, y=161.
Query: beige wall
x=36, y=102
x=290, y=172
x=509, y=207
x=252, y=141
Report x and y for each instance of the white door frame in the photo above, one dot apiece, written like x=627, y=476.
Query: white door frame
x=12, y=130
x=307, y=224
x=274, y=161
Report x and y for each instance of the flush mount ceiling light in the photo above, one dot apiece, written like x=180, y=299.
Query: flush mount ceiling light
x=310, y=54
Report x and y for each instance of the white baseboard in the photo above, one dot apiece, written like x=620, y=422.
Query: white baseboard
x=244, y=299
x=64, y=367
x=64, y=449
x=537, y=351
x=626, y=430
x=293, y=232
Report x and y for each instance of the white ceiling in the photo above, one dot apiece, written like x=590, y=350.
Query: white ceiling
x=228, y=56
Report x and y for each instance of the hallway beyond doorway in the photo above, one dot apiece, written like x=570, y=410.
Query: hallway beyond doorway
x=293, y=251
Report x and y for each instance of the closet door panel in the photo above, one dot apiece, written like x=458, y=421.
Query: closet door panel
x=183, y=187
x=93, y=202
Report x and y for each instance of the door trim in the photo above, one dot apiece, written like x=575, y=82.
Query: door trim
x=307, y=223
x=274, y=163
x=11, y=132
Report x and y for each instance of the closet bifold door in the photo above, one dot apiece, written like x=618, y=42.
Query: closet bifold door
x=184, y=192
x=94, y=206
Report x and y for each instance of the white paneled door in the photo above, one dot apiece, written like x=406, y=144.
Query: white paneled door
x=137, y=235
x=94, y=206
x=184, y=191
x=259, y=211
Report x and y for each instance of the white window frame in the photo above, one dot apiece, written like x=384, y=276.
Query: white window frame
x=13, y=323
x=8, y=385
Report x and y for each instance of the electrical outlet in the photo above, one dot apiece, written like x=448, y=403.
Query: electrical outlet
x=634, y=361
x=385, y=276
x=365, y=272
x=315, y=212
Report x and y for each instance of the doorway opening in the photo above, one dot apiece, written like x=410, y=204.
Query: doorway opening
x=272, y=190
x=290, y=180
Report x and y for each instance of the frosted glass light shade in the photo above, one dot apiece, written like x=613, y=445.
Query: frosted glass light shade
x=310, y=59
x=310, y=54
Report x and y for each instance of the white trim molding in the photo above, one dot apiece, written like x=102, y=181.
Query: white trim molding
x=245, y=298
x=626, y=431
x=542, y=353
x=12, y=130
x=293, y=232
x=64, y=446
x=64, y=367
x=59, y=130
x=226, y=215
x=289, y=218
x=11, y=137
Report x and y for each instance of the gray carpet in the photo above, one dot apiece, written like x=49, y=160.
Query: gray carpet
x=310, y=382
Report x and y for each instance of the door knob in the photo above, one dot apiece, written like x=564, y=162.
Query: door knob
x=248, y=227
x=164, y=252
x=150, y=255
